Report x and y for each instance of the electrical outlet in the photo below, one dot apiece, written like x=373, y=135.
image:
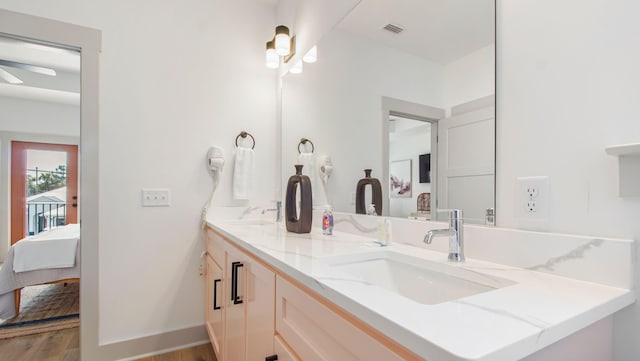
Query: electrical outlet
x=156, y=197
x=533, y=200
x=532, y=191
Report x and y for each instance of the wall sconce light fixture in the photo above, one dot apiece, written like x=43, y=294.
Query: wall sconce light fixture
x=284, y=45
x=283, y=41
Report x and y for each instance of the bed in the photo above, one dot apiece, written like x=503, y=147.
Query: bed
x=49, y=257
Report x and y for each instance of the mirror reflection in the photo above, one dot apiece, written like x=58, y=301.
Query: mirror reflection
x=406, y=89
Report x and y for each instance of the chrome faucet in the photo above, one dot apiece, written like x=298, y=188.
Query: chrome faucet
x=277, y=209
x=455, y=233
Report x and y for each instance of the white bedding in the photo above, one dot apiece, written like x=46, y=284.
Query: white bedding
x=51, y=249
x=11, y=280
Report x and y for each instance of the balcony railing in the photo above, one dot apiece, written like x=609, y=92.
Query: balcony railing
x=44, y=216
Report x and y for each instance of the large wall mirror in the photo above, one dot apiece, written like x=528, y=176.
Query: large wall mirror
x=407, y=89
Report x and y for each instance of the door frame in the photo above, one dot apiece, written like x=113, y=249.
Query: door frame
x=19, y=177
x=89, y=42
x=403, y=108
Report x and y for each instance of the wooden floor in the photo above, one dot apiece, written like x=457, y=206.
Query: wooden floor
x=64, y=345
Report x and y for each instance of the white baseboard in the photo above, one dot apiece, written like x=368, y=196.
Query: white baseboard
x=155, y=344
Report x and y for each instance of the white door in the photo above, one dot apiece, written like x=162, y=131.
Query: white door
x=467, y=164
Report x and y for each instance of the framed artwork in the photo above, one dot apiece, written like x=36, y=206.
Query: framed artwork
x=400, y=178
x=424, y=162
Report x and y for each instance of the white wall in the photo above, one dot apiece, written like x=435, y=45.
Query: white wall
x=470, y=77
x=567, y=87
x=29, y=120
x=408, y=145
x=28, y=116
x=336, y=103
x=171, y=85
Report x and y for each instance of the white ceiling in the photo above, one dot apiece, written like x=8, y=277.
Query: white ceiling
x=64, y=87
x=437, y=30
x=399, y=124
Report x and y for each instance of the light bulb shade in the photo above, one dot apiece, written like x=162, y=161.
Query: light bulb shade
x=311, y=56
x=272, y=59
x=296, y=68
x=283, y=41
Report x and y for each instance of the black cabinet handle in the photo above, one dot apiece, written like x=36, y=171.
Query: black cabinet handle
x=271, y=358
x=215, y=294
x=234, y=282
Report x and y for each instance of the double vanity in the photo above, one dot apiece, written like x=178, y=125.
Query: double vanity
x=273, y=295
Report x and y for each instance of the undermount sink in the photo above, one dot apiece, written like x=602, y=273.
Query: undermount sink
x=415, y=278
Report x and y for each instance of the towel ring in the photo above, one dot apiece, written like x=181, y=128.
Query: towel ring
x=304, y=141
x=244, y=134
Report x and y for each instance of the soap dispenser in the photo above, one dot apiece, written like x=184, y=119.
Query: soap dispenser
x=301, y=223
x=376, y=193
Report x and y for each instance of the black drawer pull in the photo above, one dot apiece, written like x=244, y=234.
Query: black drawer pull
x=215, y=294
x=271, y=358
x=234, y=282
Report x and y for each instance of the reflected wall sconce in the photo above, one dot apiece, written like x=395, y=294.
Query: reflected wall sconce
x=311, y=56
x=273, y=60
x=283, y=45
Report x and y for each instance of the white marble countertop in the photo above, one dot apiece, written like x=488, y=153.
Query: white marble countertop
x=507, y=323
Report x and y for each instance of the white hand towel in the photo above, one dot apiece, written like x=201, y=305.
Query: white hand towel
x=308, y=168
x=243, y=173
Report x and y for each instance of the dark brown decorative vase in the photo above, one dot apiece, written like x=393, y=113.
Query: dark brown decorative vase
x=302, y=223
x=376, y=193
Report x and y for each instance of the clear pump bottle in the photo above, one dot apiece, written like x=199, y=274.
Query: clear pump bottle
x=327, y=221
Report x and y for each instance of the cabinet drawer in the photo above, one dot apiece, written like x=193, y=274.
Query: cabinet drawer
x=315, y=332
x=215, y=247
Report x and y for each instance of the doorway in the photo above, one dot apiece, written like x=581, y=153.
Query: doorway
x=419, y=162
x=44, y=187
x=412, y=171
x=87, y=42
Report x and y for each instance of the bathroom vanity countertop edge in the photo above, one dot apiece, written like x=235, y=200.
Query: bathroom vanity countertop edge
x=504, y=324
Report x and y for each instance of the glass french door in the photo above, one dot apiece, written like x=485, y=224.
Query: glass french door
x=44, y=187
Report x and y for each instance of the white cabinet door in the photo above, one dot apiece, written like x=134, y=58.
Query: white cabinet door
x=250, y=307
x=260, y=310
x=235, y=335
x=283, y=351
x=214, y=310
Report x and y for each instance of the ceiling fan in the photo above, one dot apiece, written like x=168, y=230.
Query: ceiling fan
x=10, y=78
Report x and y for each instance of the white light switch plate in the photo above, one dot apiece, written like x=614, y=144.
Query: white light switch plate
x=156, y=197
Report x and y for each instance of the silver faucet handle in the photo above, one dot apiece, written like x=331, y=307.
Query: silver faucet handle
x=453, y=213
